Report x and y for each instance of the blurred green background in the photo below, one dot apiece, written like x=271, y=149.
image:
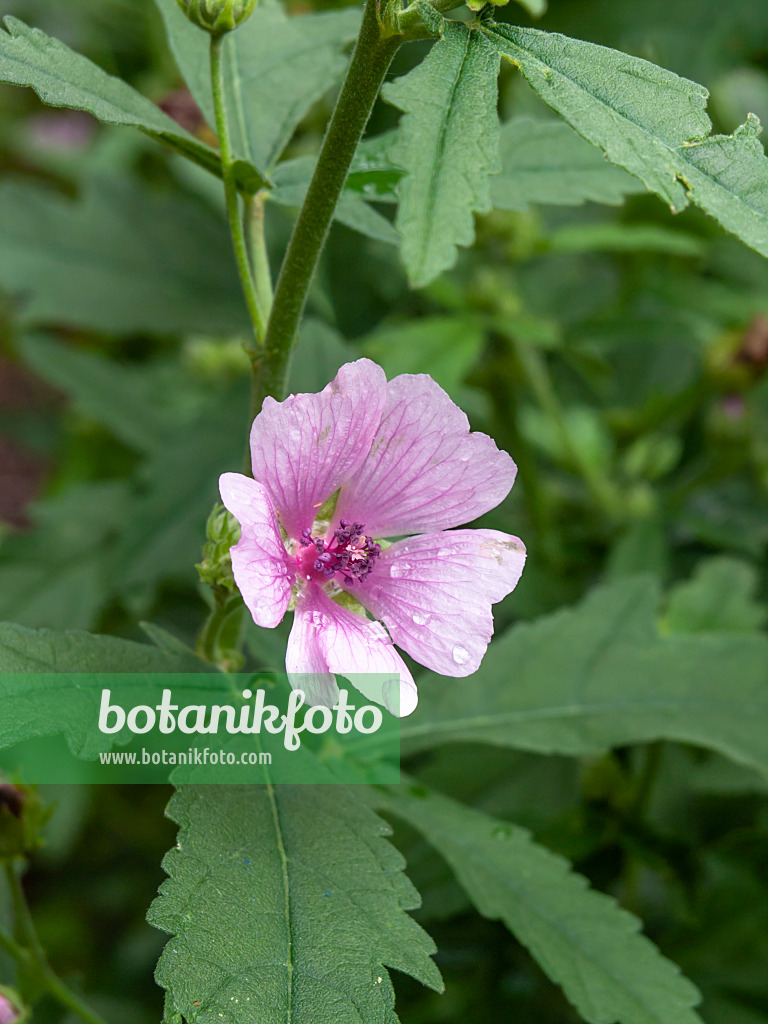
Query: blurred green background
x=619, y=354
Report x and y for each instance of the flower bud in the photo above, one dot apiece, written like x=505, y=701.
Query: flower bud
x=217, y=16
x=222, y=533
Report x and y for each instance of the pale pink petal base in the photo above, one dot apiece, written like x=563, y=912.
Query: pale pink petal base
x=327, y=640
x=259, y=560
x=425, y=470
x=304, y=448
x=434, y=593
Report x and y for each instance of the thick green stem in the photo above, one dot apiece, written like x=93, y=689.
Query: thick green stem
x=370, y=61
x=31, y=957
x=236, y=227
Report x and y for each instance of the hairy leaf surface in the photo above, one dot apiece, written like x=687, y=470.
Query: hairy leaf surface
x=286, y=904
x=275, y=68
x=583, y=940
x=650, y=121
x=447, y=145
x=598, y=676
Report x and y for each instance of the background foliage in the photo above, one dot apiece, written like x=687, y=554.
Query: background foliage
x=616, y=349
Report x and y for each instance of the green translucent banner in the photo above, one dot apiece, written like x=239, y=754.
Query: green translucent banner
x=195, y=728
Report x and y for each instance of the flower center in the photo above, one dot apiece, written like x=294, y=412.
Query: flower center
x=348, y=552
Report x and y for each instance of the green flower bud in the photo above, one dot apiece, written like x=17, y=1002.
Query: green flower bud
x=217, y=16
x=222, y=533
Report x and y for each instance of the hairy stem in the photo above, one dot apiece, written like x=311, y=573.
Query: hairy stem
x=30, y=955
x=370, y=61
x=236, y=226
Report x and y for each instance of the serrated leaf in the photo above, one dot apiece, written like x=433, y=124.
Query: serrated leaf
x=548, y=162
x=651, y=122
x=151, y=261
x=447, y=145
x=599, y=676
x=581, y=938
x=45, y=650
x=286, y=904
x=63, y=78
x=719, y=598
x=275, y=69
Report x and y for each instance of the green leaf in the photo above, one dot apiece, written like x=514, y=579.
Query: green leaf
x=44, y=650
x=447, y=145
x=61, y=573
x=599, y=676
x=650, y=121
x=134, y=402
x=163, y=527
x=548, y=162
x=151, y=261
x=292, y=178
x=276, y=68
x=583, y=940
x=286, y=904
x=720, y=598
x=63, y=78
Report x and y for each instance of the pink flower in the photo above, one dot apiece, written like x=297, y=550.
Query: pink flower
x=401, y=460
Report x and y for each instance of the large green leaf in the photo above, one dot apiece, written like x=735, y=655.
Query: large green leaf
x=63, y=78
x=151, y=261
x=140, y=404
x=286, y=904
x=547, y=162
x=276, y=68
x=650, y=121
x=581, y=938
x=44, y=650
x=447, y=145
x=599, y=676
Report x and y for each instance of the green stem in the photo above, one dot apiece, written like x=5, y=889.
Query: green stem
x=262, y=276
x=31, y=956
x=236, y=226
x=208, y=644
x=370, y=62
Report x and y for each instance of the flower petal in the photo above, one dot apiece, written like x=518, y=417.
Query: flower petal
x=328, y=640
x=304, y=448
x=259, y=559
x=426, y=471
x=434, y=593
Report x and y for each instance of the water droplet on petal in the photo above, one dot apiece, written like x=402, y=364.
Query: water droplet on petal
x=399, y=569
x=444, y=552
x=318, y=619
x=421, y=618
x=460, y=655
